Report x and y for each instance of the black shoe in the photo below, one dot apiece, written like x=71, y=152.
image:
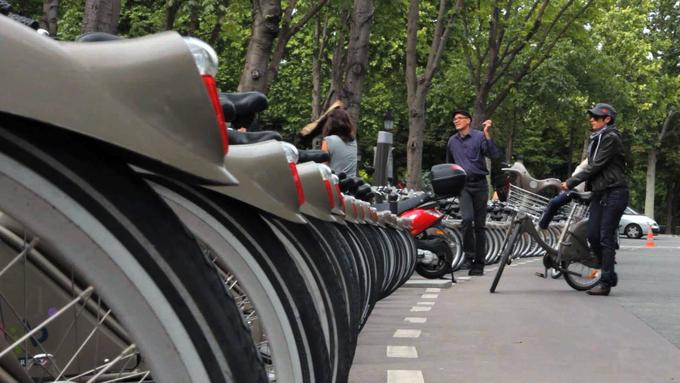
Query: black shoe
x=466, y=265
x=601, y=288
x=476, y=271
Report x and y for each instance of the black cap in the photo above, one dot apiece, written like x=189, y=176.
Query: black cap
x=461, y=111
x=602, y=110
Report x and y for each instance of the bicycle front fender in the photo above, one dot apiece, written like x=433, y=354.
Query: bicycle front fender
x=143, y=95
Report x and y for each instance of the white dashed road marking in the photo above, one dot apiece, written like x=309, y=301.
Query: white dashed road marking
x=420, y=308
x=406, y=333
x=428, y=303
x=405, y=376
x=429, y=296
x=415, y=319
x=402, y=352
x=433, y=290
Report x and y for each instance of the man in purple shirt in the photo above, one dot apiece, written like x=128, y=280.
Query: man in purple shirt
x=467, y=148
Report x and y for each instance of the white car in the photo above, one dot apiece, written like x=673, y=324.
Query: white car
x=635, y=225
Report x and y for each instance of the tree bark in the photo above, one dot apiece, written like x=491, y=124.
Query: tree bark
x=651, y=183
x=670, y=197
x=171, y=9
x=414, y=147
x=51, y=16
x=651, y=166
x=417, y=88
x=320, y=36
x=101, y=16
x=357, y=56
x=338, y=60
x=288, y=30
x=265, y=29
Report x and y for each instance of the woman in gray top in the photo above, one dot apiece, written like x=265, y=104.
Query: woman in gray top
x=339, y=141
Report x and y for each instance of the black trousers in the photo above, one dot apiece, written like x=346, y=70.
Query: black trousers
x=605, y=213
x=473, y=201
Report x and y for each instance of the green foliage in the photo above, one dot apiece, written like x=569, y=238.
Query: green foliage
x=626, y=52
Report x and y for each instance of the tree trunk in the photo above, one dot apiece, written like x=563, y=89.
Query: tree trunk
x=357, y=56
x=265, y=29
x=651, y=181
x=508, y=143
x=414, y=147
x=570, y=151
x=338, y=60
x=51, y=16
x=101, y=16
x=417, y=87
x=319, y=48
x=217, y=28
x=172, y=7
x=670, y=197
x=586, y=143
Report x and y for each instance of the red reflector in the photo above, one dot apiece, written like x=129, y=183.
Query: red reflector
x=211, y=87
x=340, y=196
x=298, y=183
x=329, y=192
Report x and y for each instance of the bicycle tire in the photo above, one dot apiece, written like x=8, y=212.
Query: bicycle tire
x=209, y=220
x=507, y=252
x=98, y=218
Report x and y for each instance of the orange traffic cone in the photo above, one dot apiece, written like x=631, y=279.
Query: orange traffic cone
x=650, y=238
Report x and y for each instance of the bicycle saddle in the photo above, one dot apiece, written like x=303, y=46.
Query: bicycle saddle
x=522, y=178
x=245, y=104
x=93, y=37
x=584, y=197
x=313, y=155
x=240, y=138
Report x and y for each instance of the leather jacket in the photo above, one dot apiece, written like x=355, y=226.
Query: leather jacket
x=606, y=162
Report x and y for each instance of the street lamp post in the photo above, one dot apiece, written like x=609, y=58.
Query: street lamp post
x=383, y=152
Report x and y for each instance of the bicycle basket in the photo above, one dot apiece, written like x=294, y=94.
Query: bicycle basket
x=524, y=201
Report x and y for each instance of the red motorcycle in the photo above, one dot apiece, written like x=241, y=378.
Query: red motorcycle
x=436, y=244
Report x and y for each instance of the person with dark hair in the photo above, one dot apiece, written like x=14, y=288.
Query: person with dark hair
x=339, y=141
x=604, y=175
x=467, y=148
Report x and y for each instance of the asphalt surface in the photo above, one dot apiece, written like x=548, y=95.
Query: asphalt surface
x=532, y=329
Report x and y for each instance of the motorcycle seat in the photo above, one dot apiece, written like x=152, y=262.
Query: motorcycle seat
x=412, y=203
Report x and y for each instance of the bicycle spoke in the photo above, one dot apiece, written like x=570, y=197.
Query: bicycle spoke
x=85, y=293
x=87, y=339
x=20, y=256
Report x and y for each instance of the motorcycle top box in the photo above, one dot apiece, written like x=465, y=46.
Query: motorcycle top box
x=447, y=179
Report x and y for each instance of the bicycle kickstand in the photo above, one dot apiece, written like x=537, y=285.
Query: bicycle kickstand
x=543, y=275
x=453, y=279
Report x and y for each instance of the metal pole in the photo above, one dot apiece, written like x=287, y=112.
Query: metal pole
x=382, y=153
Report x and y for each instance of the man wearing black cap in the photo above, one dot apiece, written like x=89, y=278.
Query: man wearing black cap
x=467, y=148
x=605, y=177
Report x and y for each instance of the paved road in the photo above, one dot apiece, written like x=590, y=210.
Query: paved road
x=532, y=329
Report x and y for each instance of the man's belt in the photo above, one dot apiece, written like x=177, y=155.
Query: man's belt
x=476, y=177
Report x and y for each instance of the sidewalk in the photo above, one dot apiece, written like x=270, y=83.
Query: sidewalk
x=531, y=330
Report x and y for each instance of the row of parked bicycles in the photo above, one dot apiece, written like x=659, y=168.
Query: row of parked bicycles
x=142, y=240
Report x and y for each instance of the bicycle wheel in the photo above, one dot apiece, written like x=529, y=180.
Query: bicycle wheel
x=579, y=276
x=505, y=257
x=113, y=291
x=256, y=267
